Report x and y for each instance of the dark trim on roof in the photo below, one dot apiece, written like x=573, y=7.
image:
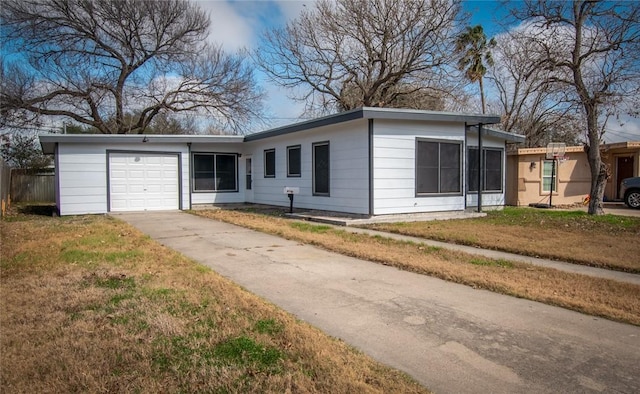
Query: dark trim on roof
x=48, y=141
x=376, y=113
x=512, y=137
x=310, y=124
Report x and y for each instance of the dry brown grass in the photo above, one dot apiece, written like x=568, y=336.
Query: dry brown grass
x=90, y=304
x=604, y=241
x=595, y=296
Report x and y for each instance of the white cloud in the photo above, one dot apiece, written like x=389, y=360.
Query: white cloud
x=229, y=27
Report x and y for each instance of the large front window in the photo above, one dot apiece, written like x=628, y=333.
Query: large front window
x=438, y=165
x=491, y=166
x=215, y=172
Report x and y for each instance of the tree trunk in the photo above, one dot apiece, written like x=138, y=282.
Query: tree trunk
x=598, y=169
x=482, y=95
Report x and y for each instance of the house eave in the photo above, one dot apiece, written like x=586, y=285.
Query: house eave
x=49, y=141
x=376, y=113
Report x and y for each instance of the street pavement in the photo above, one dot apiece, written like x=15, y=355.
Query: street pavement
x=449, y=337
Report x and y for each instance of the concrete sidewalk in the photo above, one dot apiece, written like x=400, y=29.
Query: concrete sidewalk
x=451, y=338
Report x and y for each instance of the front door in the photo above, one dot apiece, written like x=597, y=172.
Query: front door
x=624, y=170
x=248, y=185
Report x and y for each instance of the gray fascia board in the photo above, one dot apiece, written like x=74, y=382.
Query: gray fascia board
x=512, y=137
x=376, y=113
x=435, y=116
x=307, y=125
x=48, y=141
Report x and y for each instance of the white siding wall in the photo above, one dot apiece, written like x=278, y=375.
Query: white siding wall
x=221, y=197
x=489, y=199
x=82, y=175
x=394, y=147
x=349, y=163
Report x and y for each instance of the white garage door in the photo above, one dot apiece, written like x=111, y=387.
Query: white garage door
x=143, y=181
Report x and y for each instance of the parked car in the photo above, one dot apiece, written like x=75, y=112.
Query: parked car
x=630, y=190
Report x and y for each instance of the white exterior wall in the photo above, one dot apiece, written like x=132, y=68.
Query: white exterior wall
x=349, y=168
x=489, y=199
x=220, y=197
x=82, y=174
x=394, y=166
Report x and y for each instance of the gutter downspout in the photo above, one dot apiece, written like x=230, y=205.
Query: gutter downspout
x=189, y=182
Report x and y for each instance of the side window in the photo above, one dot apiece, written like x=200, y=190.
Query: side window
x=270, y=163
x=492, y=166
x=547, y=168
x=321, y=169
x=294, y=161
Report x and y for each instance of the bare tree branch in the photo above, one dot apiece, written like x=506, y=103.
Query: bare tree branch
x=352, y=53
x=97, y=61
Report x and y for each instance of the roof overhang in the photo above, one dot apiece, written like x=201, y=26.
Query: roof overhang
x=377, y=113
x=510, y=137
x=49, y=141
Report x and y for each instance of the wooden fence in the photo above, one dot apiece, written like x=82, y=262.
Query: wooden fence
x=33, y=187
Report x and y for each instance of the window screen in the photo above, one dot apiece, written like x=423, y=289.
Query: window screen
x=321, y=169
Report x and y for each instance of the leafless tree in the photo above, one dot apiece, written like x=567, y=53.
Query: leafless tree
x=345, y=54
x=22, y=150
x=529, y=104
x=97, y=61
x=592, y=49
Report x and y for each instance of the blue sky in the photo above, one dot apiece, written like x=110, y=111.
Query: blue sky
x=238, y=24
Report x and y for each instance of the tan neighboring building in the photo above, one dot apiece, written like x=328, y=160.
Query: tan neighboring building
x=529, y=174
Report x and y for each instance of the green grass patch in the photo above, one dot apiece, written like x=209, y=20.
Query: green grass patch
x=245, y=351
x=310, y=228
x=92, y=257
x=492, y=263
x=520, y=216
x=268, y=326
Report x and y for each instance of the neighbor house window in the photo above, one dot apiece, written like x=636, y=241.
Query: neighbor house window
x=293, y=161
x=547, y=168
x=215, y=172
x=438, y=165
x=492, y=167
x=270, y=163
x=321, y=169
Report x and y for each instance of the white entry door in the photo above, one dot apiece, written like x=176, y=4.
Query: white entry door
x=143, y=181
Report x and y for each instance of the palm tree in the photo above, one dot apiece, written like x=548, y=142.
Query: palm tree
x=475, y=52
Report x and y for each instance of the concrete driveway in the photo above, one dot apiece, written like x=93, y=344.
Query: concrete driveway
x=451, y=338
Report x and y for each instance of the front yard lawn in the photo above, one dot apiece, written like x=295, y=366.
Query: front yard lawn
x=89, y=304
x=606, y=241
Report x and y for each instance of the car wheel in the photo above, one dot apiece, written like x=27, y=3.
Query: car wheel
x=633, y=199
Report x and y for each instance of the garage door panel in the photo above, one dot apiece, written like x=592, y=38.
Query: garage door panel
x=143, y=181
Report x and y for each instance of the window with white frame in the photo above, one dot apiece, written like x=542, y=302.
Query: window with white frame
x=547, y=169
x=215, y=172
x=438, y=167
x=492, y=168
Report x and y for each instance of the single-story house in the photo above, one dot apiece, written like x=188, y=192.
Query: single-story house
x=529, y=173
x=369, y=161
